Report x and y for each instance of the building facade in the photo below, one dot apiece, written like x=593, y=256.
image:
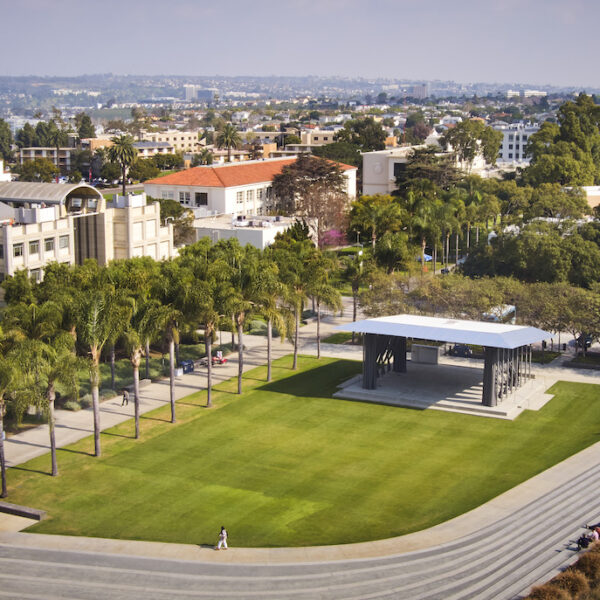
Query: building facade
x=514, y=142
x=45, y=222
x=230, y=189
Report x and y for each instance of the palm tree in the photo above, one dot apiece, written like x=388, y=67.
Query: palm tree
x=100, y=314
x=268, y=290
x=229, y=138
x=123, y=153
x=142, y=325
x=320, y=288
x=56, y=137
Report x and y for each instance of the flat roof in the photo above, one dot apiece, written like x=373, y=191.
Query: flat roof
x=480, y=333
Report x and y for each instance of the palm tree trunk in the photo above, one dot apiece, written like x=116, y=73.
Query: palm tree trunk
x=147, y=359
x=318, y=328
x=136, y=398
x=477, y=234
x=232, y=333
x=208, y=348
x=4, y=491
x=124, y=169
x=269, y=338
x=240, y=328
x=172, y=378
x=177, y=353
x=354, y=308
x=112, y=366
x=51, y=397
x=434, y=257
x=456, y=263
x=94, y=380
x=297, y=327
x=423, y=243
x=468, y=236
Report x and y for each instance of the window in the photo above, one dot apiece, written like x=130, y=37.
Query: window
x=36, y=275
x=184, y=197
x=510, y=146
x=250, y=195
x=34, y=247
x=399, y=169
x=240, y=197
x=325, y=139
x=63, y=241
x=49, y=244
x=18, y=250
x=2, y=252
x=201, y=199
x=259, y=194
x=524, y=137
x=510, y=156
x=511, y=137
x=517, y=146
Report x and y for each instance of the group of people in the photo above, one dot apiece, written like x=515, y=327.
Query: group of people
x=589, y=538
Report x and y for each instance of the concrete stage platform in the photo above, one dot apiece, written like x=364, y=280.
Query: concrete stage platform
x=445, y=387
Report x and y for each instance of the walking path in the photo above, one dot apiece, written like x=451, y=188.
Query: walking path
x=495, y=551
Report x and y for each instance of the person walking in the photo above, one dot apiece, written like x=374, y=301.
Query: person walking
x=222, y=543
x=125, y=398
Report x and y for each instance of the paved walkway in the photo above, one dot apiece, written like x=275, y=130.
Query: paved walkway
x=494, y=551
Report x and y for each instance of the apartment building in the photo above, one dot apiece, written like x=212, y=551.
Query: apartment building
x=46, y=222
x=181, y=141
x=514, y=142
x=65, y=156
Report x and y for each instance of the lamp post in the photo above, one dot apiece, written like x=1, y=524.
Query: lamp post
x=355, y=285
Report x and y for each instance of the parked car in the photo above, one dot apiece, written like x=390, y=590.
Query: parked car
x=461, y=350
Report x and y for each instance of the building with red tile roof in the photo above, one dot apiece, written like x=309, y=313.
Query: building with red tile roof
x=233, y=188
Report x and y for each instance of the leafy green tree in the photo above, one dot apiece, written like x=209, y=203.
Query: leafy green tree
x=183, y=219
x=25, y=137
x=365, y=133
x=110, y=171
x=428, y=163
x=471, y=137
x=228, y=137
x=392, y=251
x=122, y=153
x=204, y=157
x=143, y=169
x=312, y=187
x=38, y=169
x=84, y=125
x=6, y=141
x=292, y=138
x=342, y=152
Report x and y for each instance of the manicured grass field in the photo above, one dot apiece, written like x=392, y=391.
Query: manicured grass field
x=286, y=465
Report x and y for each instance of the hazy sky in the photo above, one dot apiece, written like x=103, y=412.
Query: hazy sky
x=527, y=41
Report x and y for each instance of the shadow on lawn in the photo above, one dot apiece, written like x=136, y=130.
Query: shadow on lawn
x=49, y=473
x=320, y=382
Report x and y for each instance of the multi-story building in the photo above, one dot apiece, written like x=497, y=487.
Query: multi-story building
x=514, y=143
x=46, y=222
x=234, y=188
x=181, y=141
x=65, y=156
x=149, y=149
x=317, y=137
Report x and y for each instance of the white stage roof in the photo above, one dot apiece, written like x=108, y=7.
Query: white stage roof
x=481, y=333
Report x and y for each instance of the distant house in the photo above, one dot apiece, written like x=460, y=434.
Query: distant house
x=149, y=149
x=234, y=188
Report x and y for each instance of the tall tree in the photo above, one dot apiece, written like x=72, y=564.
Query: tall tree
x=472, y=137
x=6, y=141
x=123, y=153
x=228, y=137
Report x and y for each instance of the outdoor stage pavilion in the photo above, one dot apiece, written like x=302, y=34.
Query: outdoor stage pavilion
x=502, y=388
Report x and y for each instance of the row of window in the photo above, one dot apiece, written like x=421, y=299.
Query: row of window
x=511, y=137
x=34, y=246
x=260, y=193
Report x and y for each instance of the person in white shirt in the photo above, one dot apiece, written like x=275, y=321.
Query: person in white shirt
x=222, y=539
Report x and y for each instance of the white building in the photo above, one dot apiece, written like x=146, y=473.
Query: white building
x=259, y=232
x=4, y=175
x=514, y=142
x=232, y=189
x=381, y=167
x=46, y=222
x=180, y=141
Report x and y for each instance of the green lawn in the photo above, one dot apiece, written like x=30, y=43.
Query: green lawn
x=286, y=465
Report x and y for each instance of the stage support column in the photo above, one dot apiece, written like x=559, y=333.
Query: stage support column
x=490, y=368
x=370, y=361
x=399, y=355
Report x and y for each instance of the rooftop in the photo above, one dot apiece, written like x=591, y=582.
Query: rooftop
x=232, y=174
x=480, y=333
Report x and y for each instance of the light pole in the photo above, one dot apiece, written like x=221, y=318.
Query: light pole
x=355, y=285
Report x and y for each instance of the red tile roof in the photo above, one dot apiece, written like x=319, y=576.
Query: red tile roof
x=230, y=175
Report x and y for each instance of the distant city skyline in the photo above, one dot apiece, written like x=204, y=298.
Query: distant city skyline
x=525, y=42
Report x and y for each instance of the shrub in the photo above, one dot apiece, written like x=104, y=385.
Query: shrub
x=85, y=401
x=589, y=565
x=548, y=591
x=107, y=393
x=71, y=405
x=571, y=581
